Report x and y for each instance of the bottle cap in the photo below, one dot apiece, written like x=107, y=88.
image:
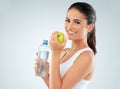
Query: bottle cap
x=45, y=42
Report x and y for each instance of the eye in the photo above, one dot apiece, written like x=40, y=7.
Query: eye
x=67, y=20
x=77, y=22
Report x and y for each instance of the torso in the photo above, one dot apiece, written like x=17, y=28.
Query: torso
x=67, y=53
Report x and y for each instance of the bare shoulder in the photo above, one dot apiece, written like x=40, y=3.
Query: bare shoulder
x=81, y=69
x=86, y=57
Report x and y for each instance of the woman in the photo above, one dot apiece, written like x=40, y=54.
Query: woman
x=72, y=68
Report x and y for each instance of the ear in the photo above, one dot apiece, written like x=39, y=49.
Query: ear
x=90, y=27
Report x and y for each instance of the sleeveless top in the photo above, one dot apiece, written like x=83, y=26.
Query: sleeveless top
x=82, y=84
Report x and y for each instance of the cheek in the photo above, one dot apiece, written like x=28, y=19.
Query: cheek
x=81, y=31
x=65, y=26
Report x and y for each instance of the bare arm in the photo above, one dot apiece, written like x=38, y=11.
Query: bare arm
x=46, y=80
x=80, y=68
x=55, y=79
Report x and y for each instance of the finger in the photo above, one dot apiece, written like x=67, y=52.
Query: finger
x=65, y=39
x=36, y=53
x=36, y=66
x=55, y=35
x=37, y=60
x=55, y=32
x=51, y=39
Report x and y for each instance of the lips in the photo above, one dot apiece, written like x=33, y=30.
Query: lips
x=71, y=32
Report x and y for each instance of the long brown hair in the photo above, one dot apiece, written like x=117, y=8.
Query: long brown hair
x=90, y=14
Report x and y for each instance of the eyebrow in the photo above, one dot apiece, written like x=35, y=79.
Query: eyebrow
x=75, y=19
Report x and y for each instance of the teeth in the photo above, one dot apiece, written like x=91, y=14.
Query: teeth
x=71, y=32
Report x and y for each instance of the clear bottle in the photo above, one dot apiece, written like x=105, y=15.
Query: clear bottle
x=43, y=54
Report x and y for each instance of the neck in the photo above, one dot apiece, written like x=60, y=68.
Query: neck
x=79, y=44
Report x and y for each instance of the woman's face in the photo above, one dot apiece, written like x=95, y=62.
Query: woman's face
x=75, y=25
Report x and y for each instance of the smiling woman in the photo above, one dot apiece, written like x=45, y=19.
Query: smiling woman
x=25, y=23
x=73, y=68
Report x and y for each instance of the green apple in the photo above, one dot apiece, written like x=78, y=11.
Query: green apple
x=60, y=37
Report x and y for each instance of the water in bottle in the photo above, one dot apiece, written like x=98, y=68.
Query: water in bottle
x=43, y=54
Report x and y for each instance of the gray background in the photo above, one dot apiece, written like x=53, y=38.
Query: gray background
x=25, y=23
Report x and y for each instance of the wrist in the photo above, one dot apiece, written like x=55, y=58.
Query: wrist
x=55, y=57
x=56, y=52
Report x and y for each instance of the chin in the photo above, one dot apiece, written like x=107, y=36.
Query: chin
x=70, y=38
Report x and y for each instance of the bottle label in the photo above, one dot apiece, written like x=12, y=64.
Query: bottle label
x=43, y=55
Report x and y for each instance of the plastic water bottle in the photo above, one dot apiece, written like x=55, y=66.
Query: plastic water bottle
x=43, y=54
x=43, y=50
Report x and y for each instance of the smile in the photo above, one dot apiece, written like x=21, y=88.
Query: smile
x=71, y=32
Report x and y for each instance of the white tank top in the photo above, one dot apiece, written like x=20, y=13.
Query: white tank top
x=82, y=84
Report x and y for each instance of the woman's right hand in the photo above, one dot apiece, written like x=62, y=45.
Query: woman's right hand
x=41, y=67
x=55, y=45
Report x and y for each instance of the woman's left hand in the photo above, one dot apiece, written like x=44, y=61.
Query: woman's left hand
x=55, y=44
